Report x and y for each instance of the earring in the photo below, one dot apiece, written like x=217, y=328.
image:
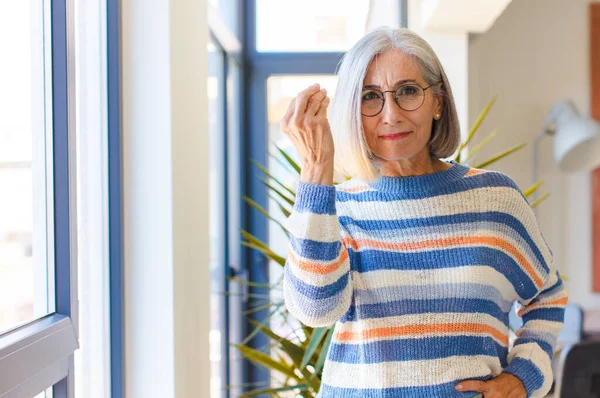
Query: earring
x=437, y=116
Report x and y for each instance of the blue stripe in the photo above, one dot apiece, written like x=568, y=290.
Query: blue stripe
x=313, y=250
x=489, y=179
x=406, y=306
x=446, y=390
x=545, y=314
x=527, y=372
x=313, y=292
x=431, y=223
x=318, y=309
x=319, y=199
x=375, y=260
x=414, y=349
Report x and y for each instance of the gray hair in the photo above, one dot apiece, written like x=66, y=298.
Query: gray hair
x=353, y=157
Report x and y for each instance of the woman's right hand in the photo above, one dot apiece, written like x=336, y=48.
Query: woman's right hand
x=305, y=123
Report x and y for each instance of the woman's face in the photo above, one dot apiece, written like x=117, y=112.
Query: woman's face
x=386, y=72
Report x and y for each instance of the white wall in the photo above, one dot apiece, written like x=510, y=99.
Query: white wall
x=165, y=208
x=451, y=48
x=535, y=54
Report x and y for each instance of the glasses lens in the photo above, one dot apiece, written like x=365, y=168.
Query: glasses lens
x=410, y=97
x=371, y=102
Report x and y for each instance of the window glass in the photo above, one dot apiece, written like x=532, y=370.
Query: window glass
x=309, y=25
x=26, y=276
x=234, y=200
x=45, y=394
x=228, y=11
x=280, y=91
x=216, y=118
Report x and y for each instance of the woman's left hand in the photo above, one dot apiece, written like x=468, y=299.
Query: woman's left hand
x=503, y=386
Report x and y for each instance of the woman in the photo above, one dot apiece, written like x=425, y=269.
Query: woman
x=415, y=260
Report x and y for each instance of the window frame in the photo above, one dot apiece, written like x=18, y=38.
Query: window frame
x=262, y=65
x=230, y=48
x=39, y=354
x=115, y=199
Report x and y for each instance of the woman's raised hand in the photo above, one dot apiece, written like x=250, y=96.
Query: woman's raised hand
x=305, y=123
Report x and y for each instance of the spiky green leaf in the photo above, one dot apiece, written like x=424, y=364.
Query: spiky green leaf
x=289, y=159
x=477, y=124
x=478, y=147
x=500, y=156
x=313, y=344
x=266, y=172
x=265, y=360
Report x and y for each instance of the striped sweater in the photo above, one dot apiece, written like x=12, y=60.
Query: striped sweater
x=418, y=275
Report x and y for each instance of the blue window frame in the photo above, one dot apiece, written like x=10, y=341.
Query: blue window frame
x=226, y=71
x=244, y=140
x=113, y=49
x=39, y=354
x=261, y=66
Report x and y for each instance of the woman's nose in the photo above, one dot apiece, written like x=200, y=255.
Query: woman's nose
x=391, y=112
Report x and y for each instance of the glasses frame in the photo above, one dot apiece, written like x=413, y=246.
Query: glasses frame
x=395, y=99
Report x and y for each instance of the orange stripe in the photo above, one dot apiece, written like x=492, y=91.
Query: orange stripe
x=473, y=172
x=360, y=188
x=561, y=301
x=422, y=329
x=448, y=242
x=315, y=268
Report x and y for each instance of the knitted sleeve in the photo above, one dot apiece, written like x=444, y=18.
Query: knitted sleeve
x=542, y=300
x=317, y=285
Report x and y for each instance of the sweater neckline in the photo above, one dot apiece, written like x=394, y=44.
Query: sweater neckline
x=420, y=183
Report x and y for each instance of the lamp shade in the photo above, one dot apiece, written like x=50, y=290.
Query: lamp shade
x=577, y=139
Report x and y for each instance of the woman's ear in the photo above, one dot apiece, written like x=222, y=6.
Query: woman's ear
x=439, y=101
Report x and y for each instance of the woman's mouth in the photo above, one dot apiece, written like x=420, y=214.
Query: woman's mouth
x=395, y=136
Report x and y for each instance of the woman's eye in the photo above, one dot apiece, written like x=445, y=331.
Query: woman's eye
x=370, y=95
x=408, y=90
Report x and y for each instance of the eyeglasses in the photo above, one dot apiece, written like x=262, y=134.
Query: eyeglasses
x=409, y=97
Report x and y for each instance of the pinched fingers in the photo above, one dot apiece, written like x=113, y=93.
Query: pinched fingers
x=322, y=112
x=285, y=120
x=302, y=100
x=314, y=103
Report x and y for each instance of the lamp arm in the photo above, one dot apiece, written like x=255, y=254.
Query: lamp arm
x=536, y=142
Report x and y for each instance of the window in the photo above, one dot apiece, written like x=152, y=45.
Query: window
x=217, y=213
x=296, y=44
x=92, y=363
x=38, y=319
x=280, y=91
x=26, y=264
x=224, y=96
x=227, y=11
x=319, y=26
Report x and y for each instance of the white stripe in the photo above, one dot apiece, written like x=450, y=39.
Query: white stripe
x=474, y=200
x=545, y=326
x=409, y=373
x=432, y=277
x=317, y=227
